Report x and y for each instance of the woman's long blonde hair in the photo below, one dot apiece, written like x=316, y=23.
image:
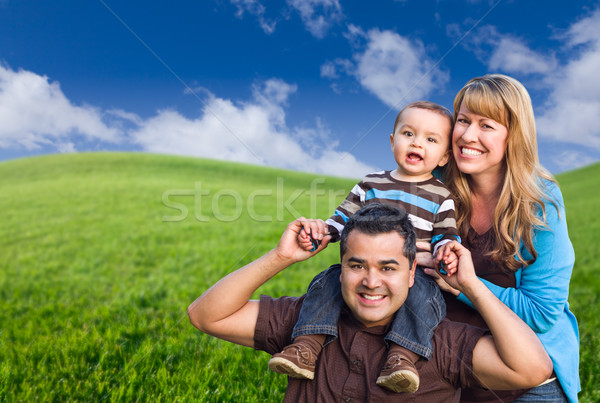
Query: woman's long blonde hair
x=506, y=101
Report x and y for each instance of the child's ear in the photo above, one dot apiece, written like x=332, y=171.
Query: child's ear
x=445, y=158
x=392, y=140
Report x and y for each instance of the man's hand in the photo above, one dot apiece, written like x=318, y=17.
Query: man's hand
x=226, y=311
x=289, y=247
x=312, y=228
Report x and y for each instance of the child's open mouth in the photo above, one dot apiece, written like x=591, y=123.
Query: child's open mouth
x=414, y=157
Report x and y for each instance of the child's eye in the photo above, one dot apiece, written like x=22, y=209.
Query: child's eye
x=408, y=134
x=431, y=140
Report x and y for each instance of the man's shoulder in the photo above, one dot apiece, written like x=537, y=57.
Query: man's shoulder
x=452, y=335
x=453, y=346
x=275, y=322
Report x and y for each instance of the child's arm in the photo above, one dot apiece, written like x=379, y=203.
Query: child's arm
x=312, y=234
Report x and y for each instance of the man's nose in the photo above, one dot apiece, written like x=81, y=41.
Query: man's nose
x=371, y=279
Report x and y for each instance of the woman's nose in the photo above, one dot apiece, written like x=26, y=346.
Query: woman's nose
x=469, y=134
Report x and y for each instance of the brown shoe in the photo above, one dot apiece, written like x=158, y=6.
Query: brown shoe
x=296, y=360
x=399, y=374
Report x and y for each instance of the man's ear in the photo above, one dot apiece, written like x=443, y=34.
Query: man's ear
x=413, y=270
x=445, y=158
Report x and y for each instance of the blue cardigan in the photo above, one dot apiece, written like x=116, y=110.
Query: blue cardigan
x=540, y=297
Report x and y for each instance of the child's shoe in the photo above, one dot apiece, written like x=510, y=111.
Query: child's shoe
x=298, y=360
x=399, y=373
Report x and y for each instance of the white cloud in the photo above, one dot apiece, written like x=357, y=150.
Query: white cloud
x=34, y=112
x=571, y=112
x=505, y=53
x=513, y=56
x=318, y=15
x=395, y=69
x=254, y=132
x=572, y=159
x=255, y=8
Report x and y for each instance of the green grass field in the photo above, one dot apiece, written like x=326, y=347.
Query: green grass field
x=100, y=255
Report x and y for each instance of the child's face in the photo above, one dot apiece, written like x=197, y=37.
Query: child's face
x=421, y=143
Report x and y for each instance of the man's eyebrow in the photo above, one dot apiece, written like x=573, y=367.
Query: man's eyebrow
x=356, y=259
x=388, y=261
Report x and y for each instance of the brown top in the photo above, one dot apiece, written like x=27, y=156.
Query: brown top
x=485, y=268
x=349, y=366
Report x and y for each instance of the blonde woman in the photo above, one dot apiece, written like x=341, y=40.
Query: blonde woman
x=511, y=216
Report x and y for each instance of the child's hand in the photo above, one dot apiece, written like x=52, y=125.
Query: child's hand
x=446, y=260
x=304, y=240
x=312, y=228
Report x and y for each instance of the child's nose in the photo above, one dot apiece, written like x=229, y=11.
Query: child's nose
x=416, y=141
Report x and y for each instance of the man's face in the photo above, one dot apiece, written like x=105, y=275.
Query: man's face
x=375, y=276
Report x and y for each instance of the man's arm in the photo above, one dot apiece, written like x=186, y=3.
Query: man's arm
x=226, y=311
x=514, y=357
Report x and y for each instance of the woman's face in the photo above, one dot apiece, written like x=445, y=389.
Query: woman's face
x=478, y=144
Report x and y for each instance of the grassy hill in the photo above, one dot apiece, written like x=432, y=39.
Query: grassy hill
x=102, y=253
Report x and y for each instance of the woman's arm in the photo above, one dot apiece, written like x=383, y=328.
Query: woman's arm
x=513, y=358
x=542, y=292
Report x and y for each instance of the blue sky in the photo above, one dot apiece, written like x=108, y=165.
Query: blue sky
x=310, y=85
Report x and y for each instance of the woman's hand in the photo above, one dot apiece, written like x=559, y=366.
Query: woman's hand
x=440, y=281
x=425, y=259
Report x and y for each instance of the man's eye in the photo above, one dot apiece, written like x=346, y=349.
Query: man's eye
x=387, y=268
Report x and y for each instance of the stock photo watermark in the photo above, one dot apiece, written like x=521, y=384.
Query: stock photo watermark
x=227, y=205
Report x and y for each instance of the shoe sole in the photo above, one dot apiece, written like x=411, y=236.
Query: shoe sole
x=285, y=367
x=400, y=381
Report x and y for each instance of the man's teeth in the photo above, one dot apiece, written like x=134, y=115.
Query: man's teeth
x=470, y=151
x=372, y=297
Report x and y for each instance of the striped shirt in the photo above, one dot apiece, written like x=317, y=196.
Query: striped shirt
x=429, y=205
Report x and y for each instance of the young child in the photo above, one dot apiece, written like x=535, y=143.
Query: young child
x=420, y=143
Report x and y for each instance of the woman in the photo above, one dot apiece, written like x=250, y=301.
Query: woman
x=510, y=215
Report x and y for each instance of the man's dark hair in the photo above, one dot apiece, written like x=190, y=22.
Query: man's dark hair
x=377, y=218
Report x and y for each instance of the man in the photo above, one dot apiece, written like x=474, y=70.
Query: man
x=378, y=265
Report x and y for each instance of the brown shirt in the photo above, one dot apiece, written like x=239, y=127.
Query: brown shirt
x=349, y=366
x=485, y=268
